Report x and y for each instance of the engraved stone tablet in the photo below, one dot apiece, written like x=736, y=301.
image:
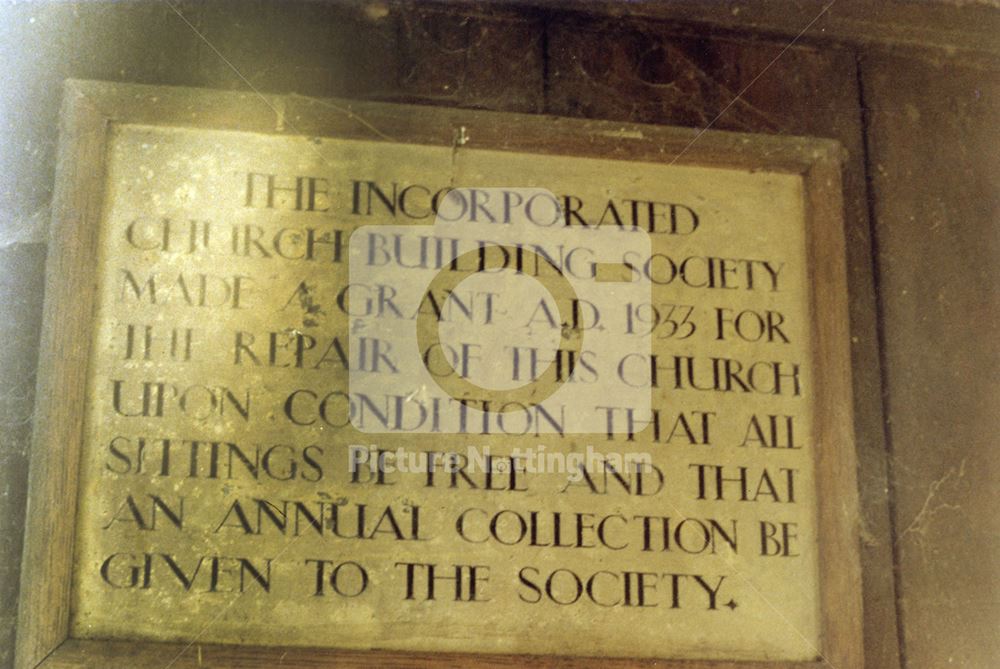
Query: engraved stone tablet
x=365, y=390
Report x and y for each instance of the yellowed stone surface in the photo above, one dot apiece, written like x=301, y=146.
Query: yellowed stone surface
x=205, y=465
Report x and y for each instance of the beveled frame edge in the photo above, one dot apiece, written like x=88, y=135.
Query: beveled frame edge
x=90, y=109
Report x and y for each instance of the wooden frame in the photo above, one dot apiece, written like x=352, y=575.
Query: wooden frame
x=91, y=108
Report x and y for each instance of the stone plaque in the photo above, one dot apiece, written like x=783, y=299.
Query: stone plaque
x=400, y=379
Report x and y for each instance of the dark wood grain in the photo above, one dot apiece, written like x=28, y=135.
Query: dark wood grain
x=935, y=154
x=957, y=26
x=479, y=56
